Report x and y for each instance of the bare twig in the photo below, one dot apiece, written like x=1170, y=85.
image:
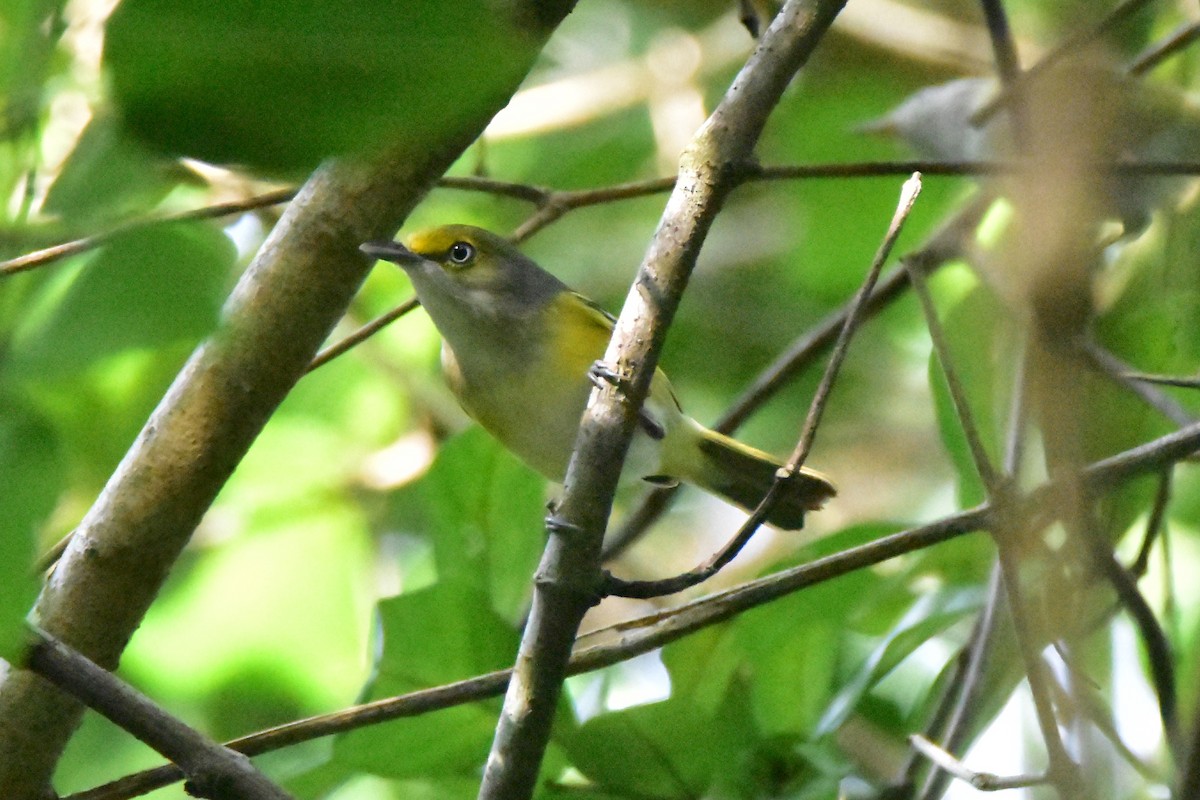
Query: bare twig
x=48, y=255
x=1154, y=524
x=973, y=661
x=1168, y=46
x=1154, y=639
x=362, y=334
x=1163, y=380
x=1116, y=370
x=213, y=771
x=988, y=473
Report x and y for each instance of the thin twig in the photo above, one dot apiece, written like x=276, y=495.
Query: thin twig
x=908, y=197
x=988, y=473
x=48, y=255
x=1062, y=768
x=1163, y=380
x=362, y=334
x=1154, y=524
x=1116, y=370
x=973, y=661
x=1168, y=46
x=517, y=191
x=677, y=583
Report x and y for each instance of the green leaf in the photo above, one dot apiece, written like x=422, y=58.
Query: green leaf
x=147, y=289
x=483, y=511
x=32, y=474
x=437, y=635
x=284, y=84
x=666, y=749
x=108, y=175
x=928, y=616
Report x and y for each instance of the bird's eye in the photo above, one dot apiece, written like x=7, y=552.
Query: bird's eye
x=461, y=252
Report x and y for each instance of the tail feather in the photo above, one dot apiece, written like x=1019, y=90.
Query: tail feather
x=743, y=476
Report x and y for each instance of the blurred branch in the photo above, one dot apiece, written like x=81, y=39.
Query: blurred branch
x=1154, y=524
x=657, y=588
x=1189, y=770
x=569, y=573
x=998, y=490
x=1004, y=49
x=960, y=703
x=213, y=771
x=1154, y=639
x=1069, y=46
x=1168, y=46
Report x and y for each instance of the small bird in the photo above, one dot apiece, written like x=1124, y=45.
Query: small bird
x=519, y=349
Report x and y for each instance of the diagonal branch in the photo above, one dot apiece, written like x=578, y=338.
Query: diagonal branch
x=569, y=573
x=213, y=771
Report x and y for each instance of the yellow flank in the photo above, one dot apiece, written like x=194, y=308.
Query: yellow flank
x=577, y=334
x=518, y=347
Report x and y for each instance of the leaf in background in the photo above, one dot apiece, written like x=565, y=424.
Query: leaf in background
x=928, y=616
x=108, y=175
x=483, y=511
x=31, y=474
x=433, y=636
x=146, y=289
x=31, y=29
x=666, y=749
x=284, y=84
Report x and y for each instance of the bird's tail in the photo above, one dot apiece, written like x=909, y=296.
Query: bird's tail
x=743, y=475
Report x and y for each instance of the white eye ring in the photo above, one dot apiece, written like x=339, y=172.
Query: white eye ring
x=461, y=252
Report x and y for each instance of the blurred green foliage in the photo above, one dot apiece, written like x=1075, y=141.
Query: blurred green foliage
x=369, y=545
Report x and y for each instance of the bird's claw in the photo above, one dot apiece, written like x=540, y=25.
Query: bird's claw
x=605, y=374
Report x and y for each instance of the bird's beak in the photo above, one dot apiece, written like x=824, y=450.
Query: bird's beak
x=387, y=250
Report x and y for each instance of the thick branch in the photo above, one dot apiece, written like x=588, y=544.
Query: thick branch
x=281, y=310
